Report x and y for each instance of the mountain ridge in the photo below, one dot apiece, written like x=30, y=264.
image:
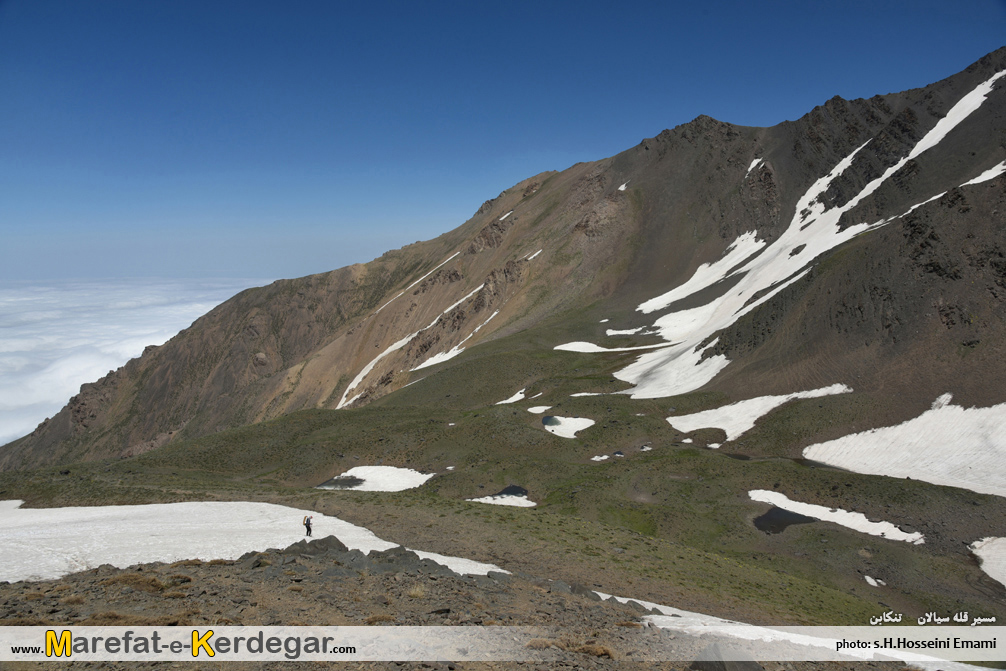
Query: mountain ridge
x=614, y=232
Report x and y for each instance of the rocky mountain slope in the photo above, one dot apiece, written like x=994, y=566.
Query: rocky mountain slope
x=859, y=253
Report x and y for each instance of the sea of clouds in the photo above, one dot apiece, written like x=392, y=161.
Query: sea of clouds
x=56, y=336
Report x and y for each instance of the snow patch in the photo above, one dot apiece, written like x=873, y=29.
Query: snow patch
x=517, y=501
x=534, y=255
x=850, y=520
x=600, y=457
x=417, y=281
x=617, y=332
x=586, y=393
x=457, y=349
x=991, y=173
x=506, y=215
x=740, y=417
x=513, y=399
x=538, y=409
x=622, y=188
x=567, y=427
x=383, y=479
x=754, y=164
x=945, y=445
x=591, y=348
x=991, y=553
x=369, y=367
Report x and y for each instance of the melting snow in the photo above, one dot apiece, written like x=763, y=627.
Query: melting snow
x=616, y=332
x=384, y=478
x=600, y=457
x=457, y=349
x=513, y=399
x=737, y=418
x=854, y=521
x=604, y=321
x=686, y=440
x=946, y=445
x=506, y=215
x=454, y=305
x=41, y=544
x=518, y=501
x=417, y=281
x=754, y=164
x=591, y=348
x=534, y=255
x=369, y=367
x=586, y=393
x=872, y=582
x=622, y=188
x=991, y=173
x=538, y=409
x=680, y=367
x=992, y=555
x=645, y=448
x=567, y=427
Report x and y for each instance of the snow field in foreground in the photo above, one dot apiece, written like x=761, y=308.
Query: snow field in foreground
x=385, y=478
x=850, y=520
x=41, y=544
x=946, y=445
x=739, y=417
x=567, y=427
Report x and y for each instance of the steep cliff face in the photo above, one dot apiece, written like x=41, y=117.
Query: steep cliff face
x=884, y=307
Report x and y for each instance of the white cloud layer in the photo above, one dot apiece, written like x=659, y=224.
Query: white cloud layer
x=56, y=336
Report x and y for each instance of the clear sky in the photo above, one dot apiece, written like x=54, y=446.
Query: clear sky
x=275, y=139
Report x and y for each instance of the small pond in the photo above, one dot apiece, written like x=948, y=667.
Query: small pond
x=776, y=520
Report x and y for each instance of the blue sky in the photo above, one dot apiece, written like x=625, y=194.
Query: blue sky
x=251, y=139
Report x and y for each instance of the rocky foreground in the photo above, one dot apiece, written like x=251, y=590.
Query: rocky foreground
x=324, y=583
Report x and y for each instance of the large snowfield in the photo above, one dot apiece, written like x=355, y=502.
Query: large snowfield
x=44, y=543
x=946, y=445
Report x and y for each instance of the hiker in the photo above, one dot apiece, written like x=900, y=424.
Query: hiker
x=307, y=523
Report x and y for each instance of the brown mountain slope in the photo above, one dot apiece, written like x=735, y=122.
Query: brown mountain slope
x=618, y=232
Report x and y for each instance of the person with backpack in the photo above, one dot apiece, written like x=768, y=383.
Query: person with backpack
x=307, y=523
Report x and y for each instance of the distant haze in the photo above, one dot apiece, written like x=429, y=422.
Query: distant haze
x=55, y=337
